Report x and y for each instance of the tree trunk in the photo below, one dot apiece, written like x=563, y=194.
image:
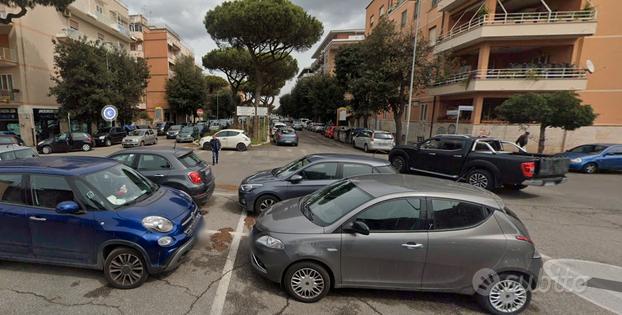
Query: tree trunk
x=258, y=82
x=398, y=128
x=365, y=120
x=542, y=139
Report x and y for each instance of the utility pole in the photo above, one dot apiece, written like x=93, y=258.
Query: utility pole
x=412, y=72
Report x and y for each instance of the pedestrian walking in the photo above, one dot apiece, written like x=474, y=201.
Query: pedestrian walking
x=523, y=140
x=216, y=146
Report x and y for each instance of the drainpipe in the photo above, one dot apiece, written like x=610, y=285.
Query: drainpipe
x=433, y=114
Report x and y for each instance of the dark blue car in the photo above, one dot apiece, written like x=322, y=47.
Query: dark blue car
x=93, y=213
x=591, y=158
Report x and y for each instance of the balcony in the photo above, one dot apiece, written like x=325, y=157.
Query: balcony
x=7, y=96
x=512, y=80
x=8, y=57
x=68, y=33
x=84, y=10
x=519, y=26
x=447, y=5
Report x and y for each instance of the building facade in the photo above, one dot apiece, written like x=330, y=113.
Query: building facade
x=27, y=59
x=160, y=46
x=506, y=47
x=325, y=54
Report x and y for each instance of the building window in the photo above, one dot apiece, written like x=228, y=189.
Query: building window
x=74, y=25
x=432, y=36
x=404, y=18
x=133, y=47
x=100, y=37
x=372, y=19
x=423, y=112
x=99, y=9
x=382, y=10
x=435, y=3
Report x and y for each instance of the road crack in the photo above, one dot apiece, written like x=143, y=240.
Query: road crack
x=209, y=286
x=54, y=300
x=284, y=307
x=186, y=289
x=370, y=306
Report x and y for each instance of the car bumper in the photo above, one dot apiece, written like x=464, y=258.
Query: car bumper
x=100, y=143
x=201, y=196
x=246, y=200
x=130, y=145
x=535, y=270
x=176, y=254
x=184, y=139
x=553, y=181
x=171, y=136
x=576, y=167
x=287, y=141
x=270, y=263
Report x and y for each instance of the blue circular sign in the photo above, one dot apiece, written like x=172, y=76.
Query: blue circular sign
x=109, y=113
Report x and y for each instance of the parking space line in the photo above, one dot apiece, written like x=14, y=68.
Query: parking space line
x=223, y=286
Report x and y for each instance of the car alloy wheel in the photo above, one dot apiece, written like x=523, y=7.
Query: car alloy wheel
x=307, y=281
x=590, y=168
x=46, y=150
x=508, y=296
x=241, y=147
x=266, y=204
x=142, y=143
x=125, y=269
x=480, y=178
x=366, y=148
x=108, y=143
x=86, y=147
x=399, y=164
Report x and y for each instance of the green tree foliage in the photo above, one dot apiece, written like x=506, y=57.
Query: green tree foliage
x=221, y=104
x=276, y=75
x=235, y=63
x=316, y=97
x=556, y=110
x=215, y=83
x=25, y=5
x=186, y=91
x=88, y=76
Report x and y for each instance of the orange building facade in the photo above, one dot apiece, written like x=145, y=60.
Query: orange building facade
x=506, y=47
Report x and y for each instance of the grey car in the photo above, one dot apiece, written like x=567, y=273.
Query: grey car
x=398, y=232
x=304, y=176
x=286, y=136
x=176, y=168
x=140, y=137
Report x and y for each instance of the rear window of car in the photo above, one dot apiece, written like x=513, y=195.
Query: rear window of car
x=383, y=136
x=79, y=136
x=287, y=131
x=190, y=160
x=8, y=140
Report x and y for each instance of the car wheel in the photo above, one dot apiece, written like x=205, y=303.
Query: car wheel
x=125, y=268
x=481, y=178
x=505, y=294
x=86, y=147
x=264, y=203
x=366, y=148
x=307, y=282
x=590, y=168
x=156, y=141
x=46, y=150
x=241, y=147
x=108, y=143
x=399, y=164
x=207, y=146
x=142, y=143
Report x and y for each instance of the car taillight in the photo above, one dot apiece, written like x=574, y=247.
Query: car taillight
x=195, y=177
x=524, y=239
x=529, y=169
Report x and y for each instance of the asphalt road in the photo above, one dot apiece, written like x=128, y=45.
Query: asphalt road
x=581, y=219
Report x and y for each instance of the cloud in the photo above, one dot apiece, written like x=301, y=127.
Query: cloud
x=185, y=17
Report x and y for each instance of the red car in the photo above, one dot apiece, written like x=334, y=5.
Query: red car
x=330, y=132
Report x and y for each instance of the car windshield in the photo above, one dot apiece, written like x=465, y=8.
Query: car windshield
x=287, y=131
x=190, y=160
x=383, y=136
x=175, y=128
x=8, y=140
x=138, y=133
x=588, y=149
x=290, y=168
x=187, y=130
x=328, y=205
x=119, y=185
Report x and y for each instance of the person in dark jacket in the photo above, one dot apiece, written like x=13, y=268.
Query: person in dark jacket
x=216, y=146
x=523, y=140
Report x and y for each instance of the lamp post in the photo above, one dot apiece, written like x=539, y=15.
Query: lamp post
x=412, y=71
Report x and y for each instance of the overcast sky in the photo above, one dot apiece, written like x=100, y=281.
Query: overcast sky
x=186, y=18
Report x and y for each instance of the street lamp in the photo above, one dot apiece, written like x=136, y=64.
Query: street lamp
x=412, y=71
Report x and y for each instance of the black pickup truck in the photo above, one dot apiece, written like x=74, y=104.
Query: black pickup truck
x=483, y=162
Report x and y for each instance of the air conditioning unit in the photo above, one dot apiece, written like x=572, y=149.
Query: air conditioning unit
x=67, y=13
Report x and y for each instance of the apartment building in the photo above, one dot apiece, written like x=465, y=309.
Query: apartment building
x=160, y=46
x=27, y=64
x=505, y=47
x=325, y=54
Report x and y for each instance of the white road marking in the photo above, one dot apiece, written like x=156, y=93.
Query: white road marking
x=223, y=286
x=224, y=194
x=205, y=233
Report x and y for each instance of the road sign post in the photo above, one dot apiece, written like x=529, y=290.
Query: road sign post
x=110, y=113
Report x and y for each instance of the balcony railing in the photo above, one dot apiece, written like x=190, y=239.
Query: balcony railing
x=86, y=8
x=8, y=54
x=535, y=74
x=6, y=96
x=520, y=18
x=69, y=33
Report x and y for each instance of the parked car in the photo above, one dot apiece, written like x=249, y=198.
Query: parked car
x=286, y=136
x=483, y=162
x=16, y=152
x=9, y=140
x=176, y=168
x=591, y=158
x=276, y=126
x=140, y=137
x=259, y=192
x=374, y=141
x=188, y=134
x=66, y=142
x=398, y=232
x=11, y=134
x=297, y=126
x=94, y=213
x=109, y=136
x=173, y=131
x=163, y=127
x=229, y=139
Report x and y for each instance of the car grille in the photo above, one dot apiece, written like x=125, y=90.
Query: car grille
x=191, y=222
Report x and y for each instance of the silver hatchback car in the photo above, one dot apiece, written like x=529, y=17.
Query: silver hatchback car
x=398, y=232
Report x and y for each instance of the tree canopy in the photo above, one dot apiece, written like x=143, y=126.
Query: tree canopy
x=562, y=109
x=25, y=5
x=235, y=63
x=88, y=76
x=186, y=91
x=316, y=97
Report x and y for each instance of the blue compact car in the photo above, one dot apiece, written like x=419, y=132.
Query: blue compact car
x=93, y=213
x=591, y=158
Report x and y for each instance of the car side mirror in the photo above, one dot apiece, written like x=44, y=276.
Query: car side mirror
x=356, y=227
x=68, y=207
x=295, y=179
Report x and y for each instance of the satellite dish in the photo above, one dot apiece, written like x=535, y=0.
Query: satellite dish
x=590, y=66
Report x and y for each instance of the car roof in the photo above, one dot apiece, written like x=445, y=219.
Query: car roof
x=336, y=157
x=64, y=166
x=382, y=185
x=236, y=130
x=156, y=150
x=12, y=147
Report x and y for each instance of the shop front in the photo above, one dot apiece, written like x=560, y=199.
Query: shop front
x=9, y=120
x=46, y=123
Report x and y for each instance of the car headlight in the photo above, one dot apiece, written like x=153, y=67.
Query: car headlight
x=158, y=224
x=102, y=138
x=270, y=242
x=250, y=187
x=577, y=160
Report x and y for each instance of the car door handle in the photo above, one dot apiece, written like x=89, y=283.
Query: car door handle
x=158, y=175
x=431, y=153
x=457, y=156
x=38, y=219
x=412, y=246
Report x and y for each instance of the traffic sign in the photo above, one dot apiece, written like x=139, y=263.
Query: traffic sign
x=110, y=113
x=200, y=112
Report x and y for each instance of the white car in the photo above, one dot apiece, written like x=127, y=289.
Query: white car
x=229, y=139
x=374, y=141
